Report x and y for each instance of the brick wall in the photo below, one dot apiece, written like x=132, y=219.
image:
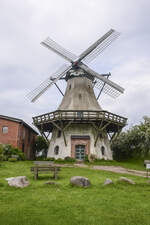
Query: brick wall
x=80, y=141
x=26, y=141
x=12, y=136
x=19, y=136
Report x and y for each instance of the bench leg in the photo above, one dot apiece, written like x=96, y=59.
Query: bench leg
x=35, y=174
x=55, y=174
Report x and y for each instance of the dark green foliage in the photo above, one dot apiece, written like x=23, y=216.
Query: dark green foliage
x=134, y=143
x=69, y=159
x=12, y=159
x=86, y=158
x=41, y=145
x=59, y=160
x=40, y=158
x=50, y=159
x=21, y=156
x=1, y=153
x=8, y=151
x=1, y=157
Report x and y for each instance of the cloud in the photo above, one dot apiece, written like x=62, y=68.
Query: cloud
x=75, y=25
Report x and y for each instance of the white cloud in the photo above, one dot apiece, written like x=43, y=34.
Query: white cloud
x=75, y=24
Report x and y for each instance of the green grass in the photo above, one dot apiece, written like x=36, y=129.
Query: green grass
x=135, y=164
x=40, y=204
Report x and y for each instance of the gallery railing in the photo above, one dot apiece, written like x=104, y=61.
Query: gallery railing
x=79, y=116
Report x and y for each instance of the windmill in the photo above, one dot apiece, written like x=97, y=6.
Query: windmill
x=79, y=126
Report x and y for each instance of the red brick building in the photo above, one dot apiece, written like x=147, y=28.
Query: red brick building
x=17, y=133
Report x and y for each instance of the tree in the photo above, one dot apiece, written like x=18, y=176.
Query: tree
x=135, y=142
x=41, y=145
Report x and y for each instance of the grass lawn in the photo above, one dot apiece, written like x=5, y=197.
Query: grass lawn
x=40, y=204
x=135, y=164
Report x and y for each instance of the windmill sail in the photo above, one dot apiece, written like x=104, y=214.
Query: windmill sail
x=52, y=45
x=37, y=92
x=110, y=87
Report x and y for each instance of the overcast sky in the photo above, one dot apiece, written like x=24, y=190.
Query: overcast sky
x=75, y=24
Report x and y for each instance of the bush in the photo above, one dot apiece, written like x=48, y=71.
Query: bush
x=21, y=156
x=40, y=158
x=59, y=160
x=7, y=151
x=11, y=152
x=86, y=159
x=1, y=149
x=50, y=159
x=12, y=159
x=69, y=159
x=1, y=157
x=15, y=151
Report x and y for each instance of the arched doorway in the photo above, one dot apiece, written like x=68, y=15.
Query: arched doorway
x=80, y=152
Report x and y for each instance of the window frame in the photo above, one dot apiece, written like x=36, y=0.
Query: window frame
x=56, y=150
x=5, y=131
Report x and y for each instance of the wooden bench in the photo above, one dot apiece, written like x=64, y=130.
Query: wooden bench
x=44, y=167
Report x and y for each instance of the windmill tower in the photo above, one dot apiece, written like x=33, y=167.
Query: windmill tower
x=80, y=126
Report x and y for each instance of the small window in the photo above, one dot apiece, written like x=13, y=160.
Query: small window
x=80, y=96
x=79, y=114
x=89, y=86
x=70, y=86
x=103, y=150
x=4, y=130
x=59, y=133
x=56, y=150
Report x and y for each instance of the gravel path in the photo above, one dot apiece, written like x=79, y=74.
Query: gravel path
x=115, y=169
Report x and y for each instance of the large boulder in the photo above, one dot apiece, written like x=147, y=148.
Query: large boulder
x=124, y=179
x=20, y=181
x=80, y=181
x=108, y=181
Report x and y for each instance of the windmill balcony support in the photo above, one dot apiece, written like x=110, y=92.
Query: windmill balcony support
x=79, y=115
x=87, y=128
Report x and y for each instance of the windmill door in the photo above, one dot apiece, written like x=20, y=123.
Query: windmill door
x=80, y=152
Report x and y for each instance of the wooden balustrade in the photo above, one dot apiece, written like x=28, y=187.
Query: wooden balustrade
x=79, y=116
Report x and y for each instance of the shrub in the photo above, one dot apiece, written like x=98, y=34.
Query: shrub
x=21, y=156
x=1, y=149
x=59, y=160
x=50, y=159
x=12, y=159
x=69, y=159
x=7, y=150
x=86, y=159
x=1, y=157
x=40, y=158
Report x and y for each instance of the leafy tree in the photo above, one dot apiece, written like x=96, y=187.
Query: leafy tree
x=135, y=142
x=41, y=145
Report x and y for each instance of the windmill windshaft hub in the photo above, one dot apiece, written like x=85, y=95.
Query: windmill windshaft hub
x=77, y=72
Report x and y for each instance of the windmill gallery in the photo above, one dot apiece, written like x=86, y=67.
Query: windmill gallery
x=79, y=126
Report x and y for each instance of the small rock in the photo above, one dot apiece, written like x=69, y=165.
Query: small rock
x=80, y=181
x=148, y=181
x=108, y=181
x=51, y=183
x=127, y=180
x=20, y=181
